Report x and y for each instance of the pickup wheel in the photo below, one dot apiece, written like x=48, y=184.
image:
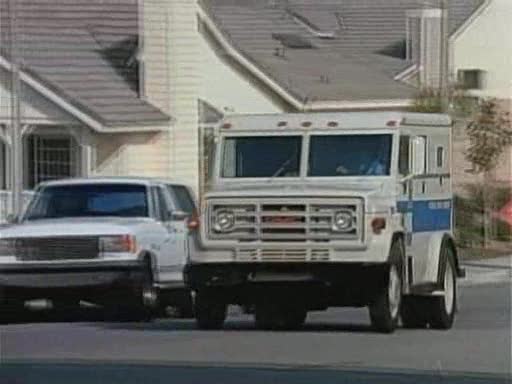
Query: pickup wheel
x=385, y=307
x=210, y=311
x=275, y=317
x=11, y=310
x=442, y=308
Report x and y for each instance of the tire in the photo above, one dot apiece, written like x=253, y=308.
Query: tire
x=141, y=305
x=442, y=308
x=385, y=307
x=274, y=317
x=210, y=312
x=413, y=313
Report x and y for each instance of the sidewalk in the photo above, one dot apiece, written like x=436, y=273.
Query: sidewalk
x=488, y=271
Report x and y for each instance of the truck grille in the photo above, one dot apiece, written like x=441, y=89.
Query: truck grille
x=274, y=221
x=56, y=248
x=283, y=255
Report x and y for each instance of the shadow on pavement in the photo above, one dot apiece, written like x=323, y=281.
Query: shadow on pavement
x=78, y=373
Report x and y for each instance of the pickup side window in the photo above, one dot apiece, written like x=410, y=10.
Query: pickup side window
x=160, y=206
x=182, y=198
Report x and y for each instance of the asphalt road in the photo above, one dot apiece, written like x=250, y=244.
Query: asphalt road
x=336, y=346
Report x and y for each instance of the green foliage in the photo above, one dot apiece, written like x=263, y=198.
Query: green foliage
x=489, y=133
x=428, y=100
x=469, y=215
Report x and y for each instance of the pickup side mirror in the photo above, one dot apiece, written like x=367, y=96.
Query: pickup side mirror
x=179, y=215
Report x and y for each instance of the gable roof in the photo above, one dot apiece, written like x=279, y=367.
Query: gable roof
x=83, y=51
x=345, y=63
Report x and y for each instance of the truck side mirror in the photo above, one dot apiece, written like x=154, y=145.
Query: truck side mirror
x=179, y=215
x=419, y=153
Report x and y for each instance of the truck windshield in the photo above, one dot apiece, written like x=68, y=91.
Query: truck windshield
x=89, y=200
x=262, y=156
x=350, y=155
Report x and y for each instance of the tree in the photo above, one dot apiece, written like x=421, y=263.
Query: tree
x=490, y=134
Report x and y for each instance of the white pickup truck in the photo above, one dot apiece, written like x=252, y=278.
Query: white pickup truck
x=117, y=242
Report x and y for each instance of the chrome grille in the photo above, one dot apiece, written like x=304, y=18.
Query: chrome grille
x=56, y=248
x=283, y=255
x=274, y=220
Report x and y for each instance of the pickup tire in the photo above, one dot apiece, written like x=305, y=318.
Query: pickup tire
x=210, y=311
x=385, y=307
x=442, y=308
x=11, y=309
x=279, y=317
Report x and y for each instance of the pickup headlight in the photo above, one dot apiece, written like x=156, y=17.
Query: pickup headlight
x=7, y=247
x=342, y=221
x=118, y=244
x=224, y=221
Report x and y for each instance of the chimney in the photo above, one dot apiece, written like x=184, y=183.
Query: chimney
x=424, y=30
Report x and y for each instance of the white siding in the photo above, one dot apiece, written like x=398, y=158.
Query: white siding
x=229, y=90
x=487, y=45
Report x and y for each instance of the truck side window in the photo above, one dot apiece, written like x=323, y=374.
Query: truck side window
x=404, y=158
x=440, y=157
x=157, y=213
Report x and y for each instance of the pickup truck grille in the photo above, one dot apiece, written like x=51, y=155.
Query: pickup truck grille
x=274, y=220
x=56, y=248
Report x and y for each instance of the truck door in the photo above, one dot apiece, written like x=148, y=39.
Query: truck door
x=412, y=167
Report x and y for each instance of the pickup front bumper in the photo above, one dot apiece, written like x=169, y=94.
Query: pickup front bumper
x=27, y=279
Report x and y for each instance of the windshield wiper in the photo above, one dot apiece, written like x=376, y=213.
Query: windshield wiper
x=282, y=168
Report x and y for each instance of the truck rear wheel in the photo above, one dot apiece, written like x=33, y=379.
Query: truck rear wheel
x=442, y=308
x=385, y=307
x=210, y=311
x=274, y=317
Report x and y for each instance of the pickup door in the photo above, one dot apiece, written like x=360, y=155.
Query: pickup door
x=174, y=249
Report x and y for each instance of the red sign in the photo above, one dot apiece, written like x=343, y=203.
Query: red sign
x=505, y=213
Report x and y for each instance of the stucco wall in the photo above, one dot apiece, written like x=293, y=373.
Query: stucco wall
x=487, y=45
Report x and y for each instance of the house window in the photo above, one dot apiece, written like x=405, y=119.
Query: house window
x=51, y=157
x=470, y=78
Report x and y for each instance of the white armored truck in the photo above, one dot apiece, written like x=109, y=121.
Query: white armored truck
x=311, y=211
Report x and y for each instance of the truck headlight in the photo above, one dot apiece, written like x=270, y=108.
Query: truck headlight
x=7, y=247
x=342, y=221
x=118, y=244
x=224, y=221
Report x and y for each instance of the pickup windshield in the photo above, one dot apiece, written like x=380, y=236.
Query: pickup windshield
x=262, y=156
x=350, y=155
x=89, y=200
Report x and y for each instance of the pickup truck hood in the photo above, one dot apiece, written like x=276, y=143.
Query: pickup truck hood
x=303, y=189
x=72, y=227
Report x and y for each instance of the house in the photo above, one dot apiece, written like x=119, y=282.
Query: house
x=129, y=87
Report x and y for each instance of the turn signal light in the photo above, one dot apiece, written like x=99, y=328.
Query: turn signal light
x=193, y=222
x=378, y=225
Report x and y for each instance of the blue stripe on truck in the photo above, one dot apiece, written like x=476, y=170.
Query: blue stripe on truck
x=428, y=215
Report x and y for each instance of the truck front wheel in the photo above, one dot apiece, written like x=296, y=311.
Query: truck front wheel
x=210, y=311
x=385, y=307
x=442, y=308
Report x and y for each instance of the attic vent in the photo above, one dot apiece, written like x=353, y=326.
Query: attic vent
x=293, y=41
x=470, y=78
